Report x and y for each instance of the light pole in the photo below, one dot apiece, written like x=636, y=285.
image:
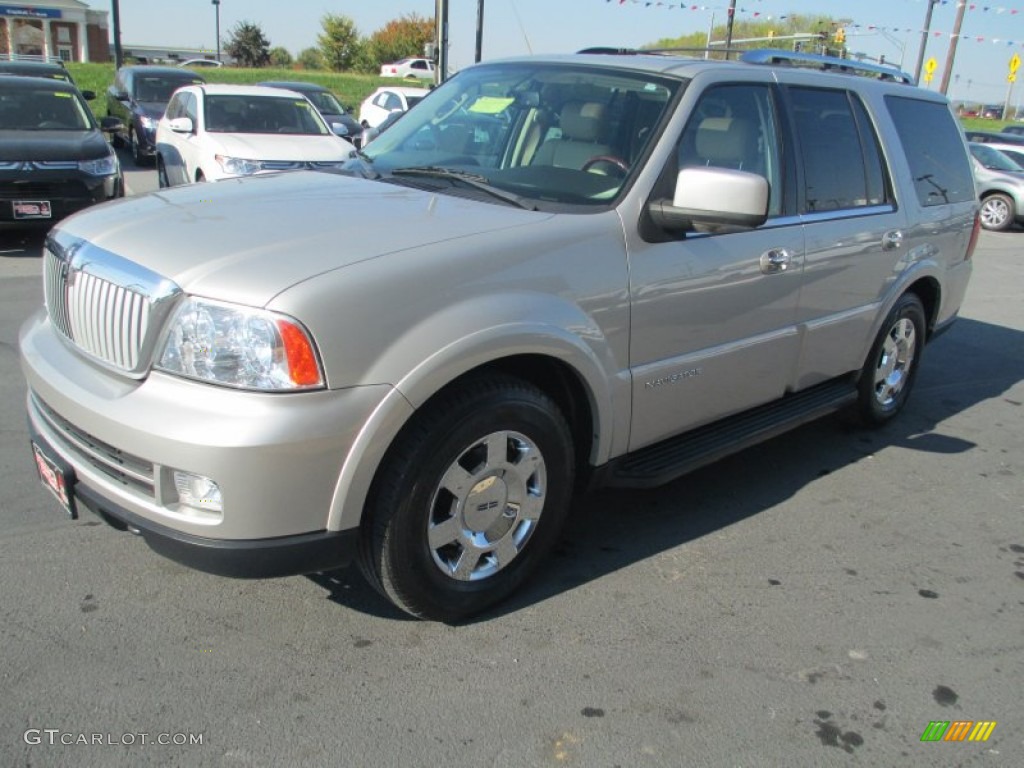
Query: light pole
x=216, y=5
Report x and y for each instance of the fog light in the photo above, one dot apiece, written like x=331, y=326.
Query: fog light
x=198, y=491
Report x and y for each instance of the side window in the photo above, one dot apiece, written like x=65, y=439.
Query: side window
x=176, y=107
x=841, y=159
x=734, y=126
x=189, y=108
x=934, y=150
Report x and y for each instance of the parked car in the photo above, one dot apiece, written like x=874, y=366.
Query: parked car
x=138, y=97
x=411, y=68
x=383, y=101
x=370, y=134
x=1016, y=130
x=993, y=137
x=992, y=111
x=213, y=132
x=191, y=63
x=327, y=104
x=49, y=69
x=1000, y=182
x=54, y=158
x=412, y=363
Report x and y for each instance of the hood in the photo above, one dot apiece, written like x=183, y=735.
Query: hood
x=275, y=146
x=52, y=145
x=246, y=240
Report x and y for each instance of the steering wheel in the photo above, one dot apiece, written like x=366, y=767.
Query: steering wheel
x=618, y=162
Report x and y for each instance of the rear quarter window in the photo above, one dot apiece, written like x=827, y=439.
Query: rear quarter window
x=934, y=150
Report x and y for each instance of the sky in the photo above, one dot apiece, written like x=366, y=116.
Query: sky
x=990, y=36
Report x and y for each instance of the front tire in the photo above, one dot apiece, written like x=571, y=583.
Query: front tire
x=470, y=498
x=997, y=212
x=891, y=368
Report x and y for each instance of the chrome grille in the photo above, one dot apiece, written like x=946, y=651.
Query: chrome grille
x=106, y=306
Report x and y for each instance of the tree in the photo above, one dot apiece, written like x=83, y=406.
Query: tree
x=280, y=57
x=248, y=45
x=339, y=42
x=777, y=30
x=310, y=58
x=398, y=39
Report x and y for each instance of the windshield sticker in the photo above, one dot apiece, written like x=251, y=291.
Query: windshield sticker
x=490, y=105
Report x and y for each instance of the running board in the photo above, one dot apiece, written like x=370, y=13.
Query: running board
x=665, y=461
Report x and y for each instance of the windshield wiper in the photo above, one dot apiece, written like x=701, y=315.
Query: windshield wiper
x=474, y=180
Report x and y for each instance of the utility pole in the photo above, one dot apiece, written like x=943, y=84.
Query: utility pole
x=728, y=27
x=479, y=30
x=118, y=54
x=948, y=71
x=924, y=40
x=216, y=5
x=441, y=19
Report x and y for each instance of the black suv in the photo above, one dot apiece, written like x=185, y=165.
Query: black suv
x=138, y=98
x=54, y=159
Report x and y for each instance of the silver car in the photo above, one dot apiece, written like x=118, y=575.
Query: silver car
x=1000, y=181
x=555, y=272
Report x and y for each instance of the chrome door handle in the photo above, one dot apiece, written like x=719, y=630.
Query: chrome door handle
x=776, y=260
x=892, y=240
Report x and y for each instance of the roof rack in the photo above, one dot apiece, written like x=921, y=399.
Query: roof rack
x=828, y=63
x=613, y=51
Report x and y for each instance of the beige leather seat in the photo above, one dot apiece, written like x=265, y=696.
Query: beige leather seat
x=583, y=125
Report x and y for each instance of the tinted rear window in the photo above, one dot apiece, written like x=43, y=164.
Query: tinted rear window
x=934, y=149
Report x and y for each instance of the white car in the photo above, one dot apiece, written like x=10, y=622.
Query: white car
x=413, y=68
x=215, y=131
x=382, y=102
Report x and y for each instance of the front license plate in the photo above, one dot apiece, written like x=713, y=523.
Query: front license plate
x=56, y=479
x=32, y=209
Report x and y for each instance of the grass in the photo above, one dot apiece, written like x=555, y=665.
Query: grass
x=350, y=88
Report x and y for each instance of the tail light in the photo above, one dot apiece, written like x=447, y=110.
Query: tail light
x=973, y=241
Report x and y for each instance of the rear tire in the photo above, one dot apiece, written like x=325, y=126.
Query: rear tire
x=997, y=212
x=470, y=498
x=891, y=368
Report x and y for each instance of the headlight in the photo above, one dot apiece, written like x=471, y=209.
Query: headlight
x=236, y=166
x=240, y=347
x=104, y=166
x=148, y=123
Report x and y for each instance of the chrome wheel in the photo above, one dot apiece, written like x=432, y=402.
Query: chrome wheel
x=996, y=212
x=487, y=506
x=895, y=362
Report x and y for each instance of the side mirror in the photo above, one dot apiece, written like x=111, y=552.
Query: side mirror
x=715, y=197
x=122, y=96
x=111, y=124
x=88, y=95
x=181, y=125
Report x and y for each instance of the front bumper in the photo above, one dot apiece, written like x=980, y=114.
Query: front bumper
x=276, y=458
x=67, y=192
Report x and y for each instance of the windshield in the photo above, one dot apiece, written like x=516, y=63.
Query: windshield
x=547, y=133
x=262, y=114
x=158, y=88
x=326, y=102
x=43, y=109
x=994, y=159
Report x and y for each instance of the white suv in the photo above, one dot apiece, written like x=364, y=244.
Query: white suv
x=213, y=131
x=554, y=272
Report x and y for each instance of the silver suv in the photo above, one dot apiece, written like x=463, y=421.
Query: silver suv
x=554, y=272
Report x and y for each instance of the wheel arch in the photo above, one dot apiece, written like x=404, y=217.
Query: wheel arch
x=583, y=406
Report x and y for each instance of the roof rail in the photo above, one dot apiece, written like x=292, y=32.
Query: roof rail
x=828, y=63
x=613, y=51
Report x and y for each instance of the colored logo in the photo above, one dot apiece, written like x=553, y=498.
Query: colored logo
x=958, y=730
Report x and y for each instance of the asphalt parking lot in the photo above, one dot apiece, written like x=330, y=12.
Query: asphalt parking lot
x=817, y=600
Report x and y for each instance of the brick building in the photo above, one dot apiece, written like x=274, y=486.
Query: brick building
x=65, y=29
